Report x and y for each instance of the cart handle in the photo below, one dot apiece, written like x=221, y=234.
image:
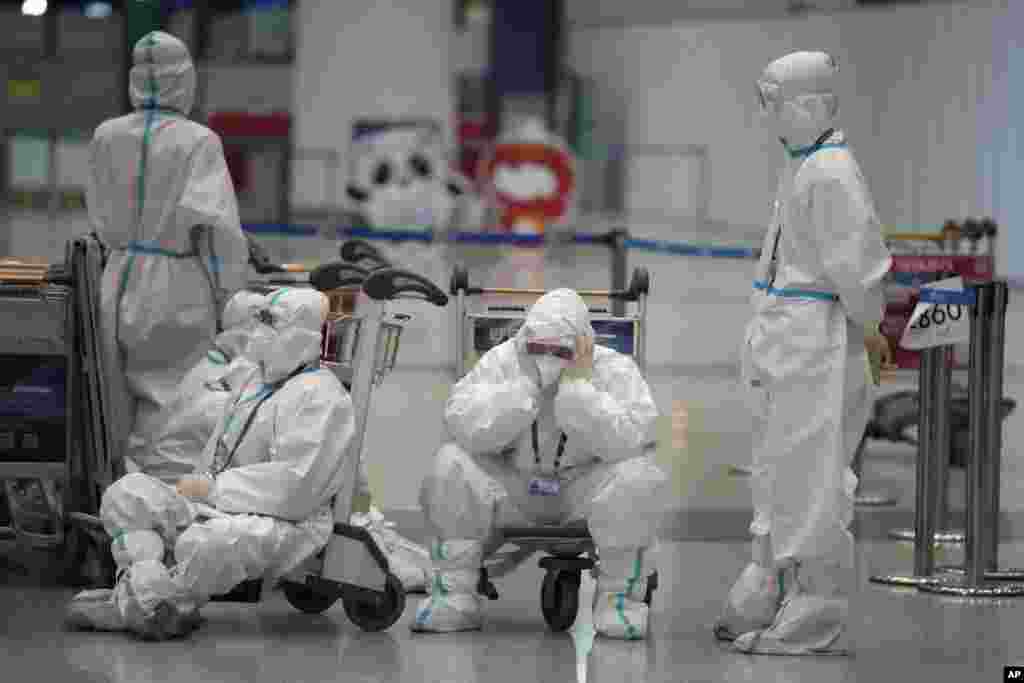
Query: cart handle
x=387, y=284
x=355, y=251
x=330, y=276
x=640, y=284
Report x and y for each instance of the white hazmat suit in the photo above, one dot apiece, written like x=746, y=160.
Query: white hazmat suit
x=155, y=177
x=272, y=468
x=168, y=444
x=537, y=439
x=818, y=293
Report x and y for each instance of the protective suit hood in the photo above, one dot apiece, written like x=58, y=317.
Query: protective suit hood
x=560, y=314
x=797, y=93
x=289, y=332
x=239, y=318
x=163, y=75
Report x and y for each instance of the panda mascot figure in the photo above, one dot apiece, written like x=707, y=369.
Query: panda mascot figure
x=400, y=178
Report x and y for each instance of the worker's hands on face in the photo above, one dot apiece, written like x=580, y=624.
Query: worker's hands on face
x=194, y=487
x=582, y=365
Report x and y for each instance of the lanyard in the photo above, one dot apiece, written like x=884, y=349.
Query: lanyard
x=248, y=423
x=558, y=454
x=773, y=265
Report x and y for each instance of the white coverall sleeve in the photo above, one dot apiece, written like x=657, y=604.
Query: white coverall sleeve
x=311, y=440
x=209, y=201
x=493, y=404
x=849, y=240
x=614, y=424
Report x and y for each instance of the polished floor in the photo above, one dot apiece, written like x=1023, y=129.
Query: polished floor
x=898, y=635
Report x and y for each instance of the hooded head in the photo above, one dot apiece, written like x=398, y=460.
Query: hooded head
x=798, y=94
x=163, y=75
x=239, y=318
x=288, y=333
x=555, y=320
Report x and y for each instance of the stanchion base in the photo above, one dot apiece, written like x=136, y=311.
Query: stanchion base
x=909, y=581
x=874, y=499
x=959, y=589
x=940, y=536
x=998, y=575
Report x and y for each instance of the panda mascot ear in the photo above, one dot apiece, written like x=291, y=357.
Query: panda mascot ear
x=356, y=194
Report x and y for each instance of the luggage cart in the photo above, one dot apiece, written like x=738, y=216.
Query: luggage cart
x=360, y=251
x=38, y=372
x=363, y=347
x=570, y=548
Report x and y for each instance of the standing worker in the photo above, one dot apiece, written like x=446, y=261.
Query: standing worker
x=160, y=198
x=818, y=302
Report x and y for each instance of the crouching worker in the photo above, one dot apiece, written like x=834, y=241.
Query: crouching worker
x=547, y=428
x=259, y=507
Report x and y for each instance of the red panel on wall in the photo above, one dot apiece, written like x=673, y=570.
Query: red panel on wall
x=242, y=124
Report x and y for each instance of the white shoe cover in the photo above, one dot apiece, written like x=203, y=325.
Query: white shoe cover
x=453, y=604
x=408, y=561
x=617, y=615
x=129, y=547
x=753, y=602
x=95, y=609
x=619, y=607
x=812, y=618
x=806, y=625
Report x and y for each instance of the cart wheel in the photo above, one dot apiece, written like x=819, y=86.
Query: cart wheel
x=381, y=614
x=305, y=599
x=560, y=598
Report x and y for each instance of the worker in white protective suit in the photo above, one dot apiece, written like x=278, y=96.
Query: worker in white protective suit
x=259, y=507
x=161, y=200
x=168, y=444
x=548, y=428
x=818, y=301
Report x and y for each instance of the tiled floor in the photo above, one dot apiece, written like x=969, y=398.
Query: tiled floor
x=899, y=635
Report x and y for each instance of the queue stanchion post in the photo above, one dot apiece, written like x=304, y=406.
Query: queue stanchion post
x=977, y=579
x=942, y=394
x=925, y=493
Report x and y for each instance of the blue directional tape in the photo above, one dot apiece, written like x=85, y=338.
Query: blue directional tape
x=420, y=235
x=947, y=296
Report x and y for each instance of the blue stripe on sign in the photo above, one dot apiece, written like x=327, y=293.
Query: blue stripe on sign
x=947, y=296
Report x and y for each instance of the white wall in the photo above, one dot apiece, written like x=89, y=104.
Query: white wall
x=366, y=58
x=912, y=78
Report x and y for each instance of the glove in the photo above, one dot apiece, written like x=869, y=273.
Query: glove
x=879, y=353
x=195, y=486
x=582, y=366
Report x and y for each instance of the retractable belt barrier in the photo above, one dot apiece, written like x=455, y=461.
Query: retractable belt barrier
x=980, y=576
